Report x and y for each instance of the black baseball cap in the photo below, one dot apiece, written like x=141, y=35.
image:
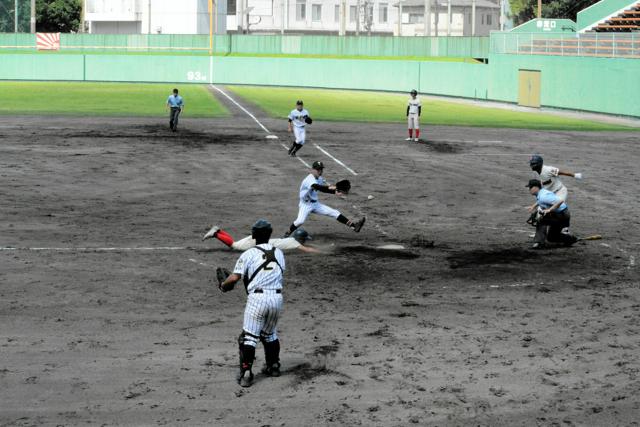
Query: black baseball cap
x=299, y=102
x=317, y=165
x=534, y=183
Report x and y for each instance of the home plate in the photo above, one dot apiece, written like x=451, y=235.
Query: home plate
x=272, y=136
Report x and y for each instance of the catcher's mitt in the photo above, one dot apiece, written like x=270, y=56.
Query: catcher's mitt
x=343, y=186
x=308, y=120
x=535, y=218
x=221, y=276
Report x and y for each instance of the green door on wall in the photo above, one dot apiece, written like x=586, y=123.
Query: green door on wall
x=529, y=88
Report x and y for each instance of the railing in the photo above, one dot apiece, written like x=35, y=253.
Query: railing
x=613, y=45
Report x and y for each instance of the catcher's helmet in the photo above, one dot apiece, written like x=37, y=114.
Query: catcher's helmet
x=301, y=235
x=261, y=231
x=413, y=92
x=536, y=161
x=317, y=165
x=261, y=224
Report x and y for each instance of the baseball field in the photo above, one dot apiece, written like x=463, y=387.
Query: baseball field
x=109, y=314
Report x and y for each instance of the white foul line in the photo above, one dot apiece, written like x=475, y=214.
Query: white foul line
x=242, y=108
x=336, y=160
x=303, y=162
x=109, y=249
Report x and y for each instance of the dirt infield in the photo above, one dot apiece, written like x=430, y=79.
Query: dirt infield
x=108, y=315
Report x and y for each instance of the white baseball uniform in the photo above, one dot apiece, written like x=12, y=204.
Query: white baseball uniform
x=297, y=119
x=413, y=119
x=309, y=201
x=284, y=244
x=264, y=293
x=551, y=182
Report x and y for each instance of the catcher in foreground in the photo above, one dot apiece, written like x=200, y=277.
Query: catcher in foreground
x=308, y=193
x=549, y=215
x=261, y=268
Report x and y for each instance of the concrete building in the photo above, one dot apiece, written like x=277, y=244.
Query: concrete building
x=153, y=16
x=362, y=17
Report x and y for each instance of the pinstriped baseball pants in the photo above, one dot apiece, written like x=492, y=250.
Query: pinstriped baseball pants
x=261, y=316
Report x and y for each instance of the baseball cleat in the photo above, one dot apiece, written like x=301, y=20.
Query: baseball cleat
x=408, y=139
x=211, y=233
x=416, y=139
x=246, y=379
x=358, y=225
x=272, y=371
x=537, y=246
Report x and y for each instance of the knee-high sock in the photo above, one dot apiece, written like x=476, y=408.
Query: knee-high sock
x=417, y=133
x=410, y=133
x=224, y=237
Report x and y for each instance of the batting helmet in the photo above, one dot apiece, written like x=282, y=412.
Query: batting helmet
x=535, y=162
x=301, y=235
x=413, y=92
x=317, y=165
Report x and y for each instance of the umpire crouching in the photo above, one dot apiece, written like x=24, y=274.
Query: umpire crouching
x=553, y=217
x=175, y=104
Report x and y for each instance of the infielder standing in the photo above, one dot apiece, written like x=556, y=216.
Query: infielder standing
x=175, y=104
x=261, y=269
x=296, y=241
x=311, y=185
x=414, y=109
x=298, y=119
x=549, y=176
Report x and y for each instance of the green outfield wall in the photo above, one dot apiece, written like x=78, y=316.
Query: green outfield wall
x=607, y=85
x=378, y=46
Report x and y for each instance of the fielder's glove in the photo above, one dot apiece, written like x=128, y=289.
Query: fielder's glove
x=221, y=276
x=343, y=186
x=308, y=120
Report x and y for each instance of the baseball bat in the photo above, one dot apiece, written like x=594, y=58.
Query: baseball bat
x=592, y=237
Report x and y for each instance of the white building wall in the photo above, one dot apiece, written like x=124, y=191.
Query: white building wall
x=152, y=16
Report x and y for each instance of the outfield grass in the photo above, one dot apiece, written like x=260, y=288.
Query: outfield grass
x=342, y=105
x=104, y=99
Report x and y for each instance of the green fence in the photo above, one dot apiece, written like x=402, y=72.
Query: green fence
x=607, y=85
x=374, y=46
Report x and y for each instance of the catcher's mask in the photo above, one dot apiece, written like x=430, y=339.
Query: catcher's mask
x=301, y=235
x=536, y=162
x=261, y=231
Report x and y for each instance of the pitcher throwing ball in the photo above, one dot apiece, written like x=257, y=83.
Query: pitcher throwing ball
x=311, y=185
x=298, y=119
x=261, y=268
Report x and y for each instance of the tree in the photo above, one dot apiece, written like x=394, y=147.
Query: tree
x=53, y=16
x=8, y=13
x=525, y=10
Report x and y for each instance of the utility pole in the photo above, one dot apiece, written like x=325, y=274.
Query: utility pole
x=449, y=18
x=399, y=18
x=343, y=17
x=15, y=17
x=539, y=9
x=473, y=17
x=358, y=18
x=437, y=20
x=282, y=17
x=427, y=17
x=502, y=18
x=149, y=13
x=33, y=17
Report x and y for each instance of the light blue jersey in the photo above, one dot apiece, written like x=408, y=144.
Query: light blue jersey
x=547, y=198
x=175, y=101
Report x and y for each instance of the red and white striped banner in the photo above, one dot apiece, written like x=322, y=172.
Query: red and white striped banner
x=48, y=41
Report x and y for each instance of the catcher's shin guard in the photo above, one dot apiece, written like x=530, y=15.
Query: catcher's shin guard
x=247, y=353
